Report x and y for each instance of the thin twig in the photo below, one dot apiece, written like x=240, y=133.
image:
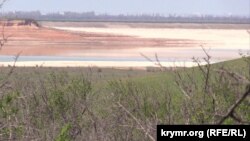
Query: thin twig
x=233, y=116
x=234, y=106
x=2, y=3
x=10, y=72
x=234, y=75
x=157, y=62
x=136, y=120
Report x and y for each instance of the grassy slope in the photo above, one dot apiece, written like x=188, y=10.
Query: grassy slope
x=51, y=100
x=160, y=87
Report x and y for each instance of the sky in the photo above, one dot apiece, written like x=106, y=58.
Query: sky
x=115, y=7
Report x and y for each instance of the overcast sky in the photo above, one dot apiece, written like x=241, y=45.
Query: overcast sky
x=164, y=7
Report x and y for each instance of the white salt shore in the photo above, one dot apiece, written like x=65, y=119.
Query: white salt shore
x=102, y=64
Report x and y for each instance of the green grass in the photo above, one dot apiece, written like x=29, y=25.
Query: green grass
x=111, y=104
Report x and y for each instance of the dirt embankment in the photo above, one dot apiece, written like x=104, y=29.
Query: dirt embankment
x=19, y=23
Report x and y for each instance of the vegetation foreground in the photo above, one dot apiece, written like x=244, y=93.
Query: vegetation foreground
x=107, y=104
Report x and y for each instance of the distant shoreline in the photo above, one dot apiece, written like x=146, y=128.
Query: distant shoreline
x=140, y=21
x=155, y=24
x=115, y=44
x=100, y=64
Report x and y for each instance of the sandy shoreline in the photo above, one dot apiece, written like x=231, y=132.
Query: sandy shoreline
x=126, y=41
x=101, y=64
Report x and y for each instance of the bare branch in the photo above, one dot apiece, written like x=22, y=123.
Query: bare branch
x=234, y=106
x=11, y=71
x=234, y=75
x=157, y=62
x=233, y=116
x=136, y=120
x=2, y=3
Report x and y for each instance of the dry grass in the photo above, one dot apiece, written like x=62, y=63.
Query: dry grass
x=89, y=104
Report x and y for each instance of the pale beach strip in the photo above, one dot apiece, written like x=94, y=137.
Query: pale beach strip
x=101, y=64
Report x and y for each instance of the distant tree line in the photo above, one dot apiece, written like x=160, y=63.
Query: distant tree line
x=91, y=16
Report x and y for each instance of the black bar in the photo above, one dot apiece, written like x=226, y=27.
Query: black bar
x=203, y=132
